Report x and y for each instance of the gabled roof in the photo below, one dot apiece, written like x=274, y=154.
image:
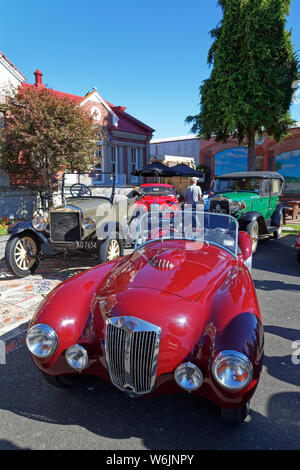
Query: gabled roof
x=12, y=67
x=121, y=120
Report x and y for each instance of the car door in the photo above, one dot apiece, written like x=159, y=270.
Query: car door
x=261, y=202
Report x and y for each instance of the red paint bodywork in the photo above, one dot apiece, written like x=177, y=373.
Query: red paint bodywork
x=168, y=200
x=205, y=304
x=298, y=241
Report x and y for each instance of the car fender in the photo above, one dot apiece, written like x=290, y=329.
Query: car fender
x=278, y=212
x=251, y=216
x=68, y=307
x=18, y=228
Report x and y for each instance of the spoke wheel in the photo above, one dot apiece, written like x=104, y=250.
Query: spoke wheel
x=253, y=231
x=21, y=254
x=110, y=249
x=25, y=252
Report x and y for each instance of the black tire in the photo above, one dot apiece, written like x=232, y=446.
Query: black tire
x=278, y=232
x=64, y=381
x=19, y=263
x=253, y=231
x=235, y=416
x=108, y=247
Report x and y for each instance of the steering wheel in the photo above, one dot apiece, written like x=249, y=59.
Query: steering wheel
x=80, y=190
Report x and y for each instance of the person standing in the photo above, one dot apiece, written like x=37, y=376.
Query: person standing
x=193, y=192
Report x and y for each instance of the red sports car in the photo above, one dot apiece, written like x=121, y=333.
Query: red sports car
x=179, y=314
x=162, y=194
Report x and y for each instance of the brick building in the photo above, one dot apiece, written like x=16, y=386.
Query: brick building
x=123, y=140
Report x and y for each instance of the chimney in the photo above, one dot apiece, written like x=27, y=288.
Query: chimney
x=38, y=79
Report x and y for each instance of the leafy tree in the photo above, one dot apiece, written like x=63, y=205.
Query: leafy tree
x=44, y=135
x=254, y=68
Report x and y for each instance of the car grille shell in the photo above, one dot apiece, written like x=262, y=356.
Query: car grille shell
x=220, y=205
x=65, y=226
x=131, y=349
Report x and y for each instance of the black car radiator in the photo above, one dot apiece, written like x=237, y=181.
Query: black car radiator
x=219, y=205
x=65, y=227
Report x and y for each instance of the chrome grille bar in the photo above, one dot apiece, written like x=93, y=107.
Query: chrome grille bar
x=132, y=348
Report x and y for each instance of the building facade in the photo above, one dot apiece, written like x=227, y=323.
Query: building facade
x=284, y=157
x=123, y=141
x=174, y=150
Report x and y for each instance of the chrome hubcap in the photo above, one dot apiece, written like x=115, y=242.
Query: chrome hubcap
x=113, y=250
x=25, y=252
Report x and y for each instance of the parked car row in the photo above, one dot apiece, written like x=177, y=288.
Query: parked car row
x=177, y=315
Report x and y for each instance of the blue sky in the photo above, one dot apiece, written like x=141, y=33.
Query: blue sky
x=148, y=56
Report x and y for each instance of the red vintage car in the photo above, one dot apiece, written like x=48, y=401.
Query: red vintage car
x=162, y=194
x=298, y=246
x=179, y=314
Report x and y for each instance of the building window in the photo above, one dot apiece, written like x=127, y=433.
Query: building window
x=114, y=159
x=133, y=163
x=259, y=162
x=99, y=159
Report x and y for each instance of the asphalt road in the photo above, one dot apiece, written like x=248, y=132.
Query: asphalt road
x=33, y=415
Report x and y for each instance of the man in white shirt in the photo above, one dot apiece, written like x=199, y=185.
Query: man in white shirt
x=193, y=192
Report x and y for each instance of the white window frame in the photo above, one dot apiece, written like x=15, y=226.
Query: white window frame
x=133, y=163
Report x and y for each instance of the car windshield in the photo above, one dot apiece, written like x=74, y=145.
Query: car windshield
x=93, y=184
x=156, y=190
x=192, y=225
x=237, y=184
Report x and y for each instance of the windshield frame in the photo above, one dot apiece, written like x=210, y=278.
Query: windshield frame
x=204, y=241
x=232, y=189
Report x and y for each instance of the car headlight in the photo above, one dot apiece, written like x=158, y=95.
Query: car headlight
x=235, y=206
x=77, y=357
x=88, y=224
x=39, y=223
x=42, y=340
x=232, y=370
x=188, y=376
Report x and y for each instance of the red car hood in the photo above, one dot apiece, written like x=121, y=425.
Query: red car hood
x=170, y=268
x=147, y=200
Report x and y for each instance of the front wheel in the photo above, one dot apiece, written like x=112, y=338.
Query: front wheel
x=278, y=232
x=235, y=416
x=22, y=254
x=253, y=231
x=110, y=249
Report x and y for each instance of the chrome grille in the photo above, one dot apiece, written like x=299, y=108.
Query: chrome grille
x=131, y=348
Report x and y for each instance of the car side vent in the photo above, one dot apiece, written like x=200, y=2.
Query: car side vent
x=167, y=260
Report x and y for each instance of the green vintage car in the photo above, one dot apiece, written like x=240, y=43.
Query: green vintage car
x=253, y=198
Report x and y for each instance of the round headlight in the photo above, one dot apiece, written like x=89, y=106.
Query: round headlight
x=39, y=223
x=235, y=206
x=88, y=224
x=188, y=376
x=77, y=357
x=232, y=370
x=42, y=340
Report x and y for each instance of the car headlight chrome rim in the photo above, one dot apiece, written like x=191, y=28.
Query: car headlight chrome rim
x=232, y=370
x=235, y=206
x=188, y=376
x=77, y=357
x=88, y=223
x=39, y=223
x=42, y=341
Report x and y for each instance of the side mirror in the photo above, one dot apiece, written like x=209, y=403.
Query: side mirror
x=245, y=245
